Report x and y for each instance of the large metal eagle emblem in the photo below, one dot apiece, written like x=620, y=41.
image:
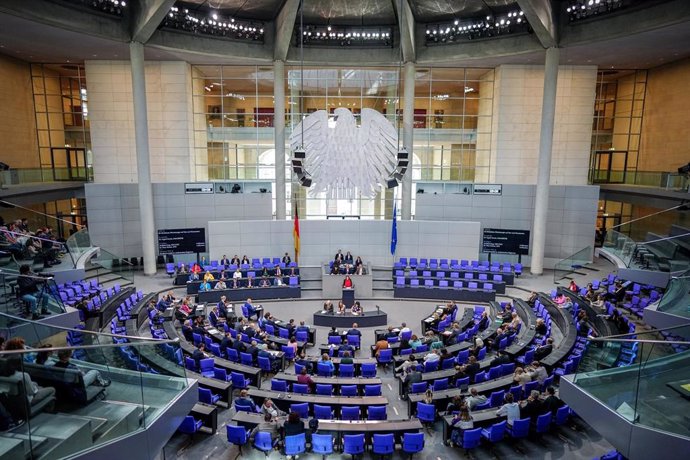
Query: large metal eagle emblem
x=344, y=158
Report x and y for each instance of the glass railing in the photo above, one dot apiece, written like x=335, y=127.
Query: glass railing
x=620, y=245
x=648, y=381
x=109, y=264
x=97, y=389
x=79, y=243
x=570, y=264
x=37, y=175
x=676, y=299
x=659, y=179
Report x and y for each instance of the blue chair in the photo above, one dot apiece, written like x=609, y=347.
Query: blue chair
x=430, y=366
x=324, y=389
x=377, y=413
x=354, y=340
x=348, y=390
x=346, y=370
x=189, y=425
x=383, y=444
x=520, y=428
x=301, y=388
x=215, y=349
x=221, y=374
x=516, y=392
x=239, y=407
x=350, y=413
x=296, y=444
x=353, y=444
x=247, y=359
x=302, y=336
x=494, y=372
x=562, y=415
x=237, y=435
x=279, y=385
x=482, y=406
x=418, y=387
x=197, y=339
x=206, y=367
x=238, y=381
x=440, y=384
x=207, y=397
x=233, y=355
x=289, y=353
x=543, y=423
x=334, y=340
x=324, y=370
x=189, y=364
x=496, y=398
x=527, y=358
x=412, y=443
x=471, y=439
x=264, y=443
x=368, y=370
x=385, y=356
x=495, y=432
x=265, y=365
x=323, y=412
x=372, y=390
x=322, y=444
x=507, y=369
x=302, y=409
x=426, y=413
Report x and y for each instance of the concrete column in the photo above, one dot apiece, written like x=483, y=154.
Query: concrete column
x=279, y=132
x=541, y=201
x=141, y=133
x=408, y=126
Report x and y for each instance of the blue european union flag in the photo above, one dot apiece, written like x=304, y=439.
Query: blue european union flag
x=394, y=230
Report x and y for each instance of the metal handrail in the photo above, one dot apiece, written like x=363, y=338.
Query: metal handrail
x=662, y=342
x=86, y=347
x=83, y=331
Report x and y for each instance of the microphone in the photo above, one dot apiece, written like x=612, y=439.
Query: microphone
x=378, y=310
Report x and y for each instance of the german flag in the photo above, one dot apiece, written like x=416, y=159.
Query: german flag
x=295, y=234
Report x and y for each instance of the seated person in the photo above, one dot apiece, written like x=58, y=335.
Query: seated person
x=335, y=268
x=204, y=286
x=278, y=271
x=543, y=351
x=341, y=307
x=552, y=403
x=215, y=318
x=305, y=379
x=573, y=287
x=510, y=409
x=347, y=283
x=267, y=425
x=208, y=276
x=507, y=315
x=474, y=399
x=293, y=425
x=252, y=310
x=237, y=274
x=484, y=321
x=533, y=407
x=250, y=282
x=244, y=399
x=264, y=272
x=415, y=342
x=359, y=266
x=540, y=327
x=286, y=259
x=532, y=299
x=407, y=365
x=199, y=354
x=34, y=393
x=338, y=256
x=245, y=260
x=521, y=377
x=220, y=285
x=264, y=282
x=515, y=322
x=348, y=259
x=599, y=302
x=460, y=423
x=347, y=358
x=269, y=408
x=356, y=308
x=411, y=376
x=559, y=299
x=182, y=269
x=278, y=280
x=326, y=361
x=328, y=306
x=224, y=261
x=90, y=377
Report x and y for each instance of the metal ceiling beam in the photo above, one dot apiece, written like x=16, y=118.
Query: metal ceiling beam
x=284, y=27
x=406, y=25
x=542, y=18
x=146, y=16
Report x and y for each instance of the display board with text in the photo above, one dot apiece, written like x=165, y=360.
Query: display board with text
x=505, y=241
x=181, y=240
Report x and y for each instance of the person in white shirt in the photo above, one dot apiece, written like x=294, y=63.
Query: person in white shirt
x=432, y=357
x=220, y=285
x=474, y=399
x=510, y=409
x=404, y=329
x=237, y=275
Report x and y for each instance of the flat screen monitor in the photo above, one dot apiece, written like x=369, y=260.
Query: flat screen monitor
x=181, y=240
x=505, y=241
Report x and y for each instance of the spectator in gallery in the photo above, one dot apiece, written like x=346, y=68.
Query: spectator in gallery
x=359, y=266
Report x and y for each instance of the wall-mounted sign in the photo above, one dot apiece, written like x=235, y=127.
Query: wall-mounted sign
x=488, y=189
x=198, y=188
x=181, y=240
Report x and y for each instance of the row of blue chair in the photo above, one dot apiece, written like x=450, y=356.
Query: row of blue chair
x=455, y=263
x=322, y=444
x=325, y=389
x=420, y=282
x=366, y=370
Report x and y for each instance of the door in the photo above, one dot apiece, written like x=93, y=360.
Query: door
x=609, y=166
x=69, y=164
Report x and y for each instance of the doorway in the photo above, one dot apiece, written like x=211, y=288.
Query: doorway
x=69, y=163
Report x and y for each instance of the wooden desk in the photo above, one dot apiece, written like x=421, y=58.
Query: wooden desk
x=207, y=414
x=443, y=397
x=337, y=382
x=340, y=427
x=426, y=377
x=284, y=400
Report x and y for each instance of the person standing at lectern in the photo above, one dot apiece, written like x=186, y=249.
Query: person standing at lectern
x=347, y=283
